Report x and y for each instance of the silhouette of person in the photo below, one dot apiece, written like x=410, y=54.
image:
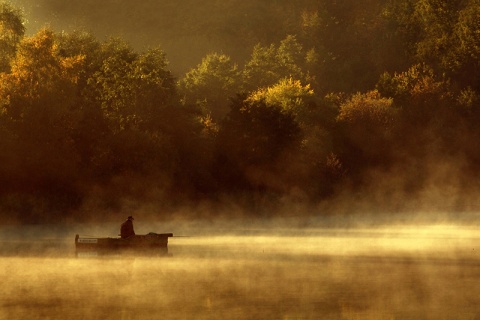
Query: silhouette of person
x=126, y=229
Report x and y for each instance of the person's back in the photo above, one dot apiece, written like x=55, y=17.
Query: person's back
x=126, y=229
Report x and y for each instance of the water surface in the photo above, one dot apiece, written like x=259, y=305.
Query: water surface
x=429, y=272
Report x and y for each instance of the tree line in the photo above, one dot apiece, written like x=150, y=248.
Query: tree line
x=356, y=97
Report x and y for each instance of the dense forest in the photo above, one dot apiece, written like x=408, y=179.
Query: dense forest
x=370, y=104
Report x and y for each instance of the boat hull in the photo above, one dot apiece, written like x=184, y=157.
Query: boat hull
x=150, y=243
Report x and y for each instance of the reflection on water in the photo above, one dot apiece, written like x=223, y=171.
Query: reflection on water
x=398, y=273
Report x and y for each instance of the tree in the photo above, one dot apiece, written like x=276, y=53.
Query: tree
x=289, y=94
x=368, y=123
x=211, y=84
x=346, y=45
x=113, y=86
x=315, y=164
x=81, y=43
x=12, y=31
x=369, y=110
x=438, y=33
x=42, y=84
x=291, y=58
x=253, y=142
x=261, y=70
x=466, y=41
x=418, y=92
x=92, y=129
x=270, y=64
x=38, y=99
x=154, y=87
x=437, y=20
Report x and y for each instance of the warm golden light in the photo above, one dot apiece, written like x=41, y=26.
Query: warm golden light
x=358, y=273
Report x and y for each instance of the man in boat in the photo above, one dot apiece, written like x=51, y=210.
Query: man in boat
x=126, y=229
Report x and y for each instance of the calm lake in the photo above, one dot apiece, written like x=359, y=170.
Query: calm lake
x=407, y=272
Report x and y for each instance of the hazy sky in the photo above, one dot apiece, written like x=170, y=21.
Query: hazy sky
x=185, y=30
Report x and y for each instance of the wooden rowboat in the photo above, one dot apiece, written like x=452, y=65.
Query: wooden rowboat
x=156, y=243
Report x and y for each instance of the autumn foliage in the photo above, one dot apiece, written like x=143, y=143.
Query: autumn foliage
x=349, y=96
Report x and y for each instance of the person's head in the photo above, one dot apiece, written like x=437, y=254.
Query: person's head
x=130, y=218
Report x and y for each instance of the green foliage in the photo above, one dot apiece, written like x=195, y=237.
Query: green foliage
x=260, y=71
x=77, y=112
x=369, y=110
x=84, y=44
x=436, y=19
x=154, y=86
x=254, y=137
x=38, y=98
x=211, y=84
x=289, y=94
x=467, y=30
x=469, y=100
x=113, y=84
x=41, y=80
x=439, y=33
x=342, y=89
x=368, y=122
x=290, y=57
x=132, y=87
x=270, y=64
x=418, y=92
x=348, y=44
x=466, y=41
x=11, y=32
x=403, y=85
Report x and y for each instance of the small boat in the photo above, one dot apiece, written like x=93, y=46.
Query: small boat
x=155, y=243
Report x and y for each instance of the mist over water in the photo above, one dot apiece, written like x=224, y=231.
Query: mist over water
x=228, y=272
x=330, y=267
